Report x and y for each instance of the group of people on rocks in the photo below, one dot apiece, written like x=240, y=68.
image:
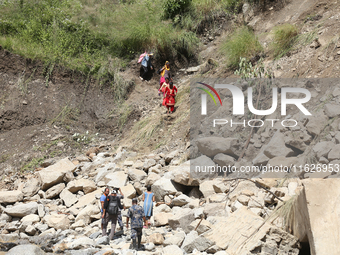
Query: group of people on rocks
x=111, y=207
x=166, y=86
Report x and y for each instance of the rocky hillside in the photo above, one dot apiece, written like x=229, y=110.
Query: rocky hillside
x=51, y=205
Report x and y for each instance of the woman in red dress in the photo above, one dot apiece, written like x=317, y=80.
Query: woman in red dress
x=170, y=93
x=163, y=89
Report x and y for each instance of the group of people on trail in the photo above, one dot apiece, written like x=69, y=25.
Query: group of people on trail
x=166, y=86
x=111, y=211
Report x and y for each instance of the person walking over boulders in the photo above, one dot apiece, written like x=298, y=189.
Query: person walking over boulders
x=146, y=65
x=170, y=95
x=110, y=213
x=120, y=220
x=136, y=214
x=148, y=199
x=104, y=197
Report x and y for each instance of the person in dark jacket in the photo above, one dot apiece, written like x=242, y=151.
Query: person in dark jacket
x=111, y=217
x=136, y=214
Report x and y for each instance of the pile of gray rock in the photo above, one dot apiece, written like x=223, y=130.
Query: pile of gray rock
x=58, y=209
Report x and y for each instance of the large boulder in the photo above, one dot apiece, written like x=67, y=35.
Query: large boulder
x=181, y=174
x=81, y=243
x=68, y=198
x=55, y=190
x=182, y=219
x=156, y=238
x=332, y=110
x=211, y=146
x=32, y=218
x=116, y=179
x=207, y=188
x=181, y=200
x=22, y=210
x=137, y=175
x=31, y=187
x=11, y=196
x=103, y=171
x=322, y=149
x=172, y=250
x=129, y=191
x=200, y=226
x=176, y=239
x=54, y=174
x=162, y=219
x=334, y=154
x=224, y=160
x=85, y=185
x=276, y=147
x=163, y=187
x=316, y=124
x=317, y=211
x=152, y=178
x=215, y=209
x=243, y=231
x=149, y=163
x=57, y=221
x=87, y=213
x=193, y=241
x=27, y=249
x=202, y=168
x=87, y=199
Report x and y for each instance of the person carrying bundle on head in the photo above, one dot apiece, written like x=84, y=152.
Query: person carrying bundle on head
x=146, y=65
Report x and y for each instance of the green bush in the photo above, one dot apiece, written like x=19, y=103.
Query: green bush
x=242, y=44
x=284, y=38
x=171, y=8
x=86, y=34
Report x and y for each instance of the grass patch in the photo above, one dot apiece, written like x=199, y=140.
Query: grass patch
x=145, y=129
x=242, y=44
x=4, y=158
x=34, y=163
x=66, y=115
x=82, y=34
x=284, y=39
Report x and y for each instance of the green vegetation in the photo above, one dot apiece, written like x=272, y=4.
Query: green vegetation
x=284, y=38
x=66, y=115
x=30, y=166
x=242, y=44
x=247, y=70
x=201, y=12
x=83, y=34
x=171, y=8
x=4, y=158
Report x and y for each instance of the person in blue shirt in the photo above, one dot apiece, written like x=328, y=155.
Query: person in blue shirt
x=146, y=64
x=103, y=198
x=148, y=199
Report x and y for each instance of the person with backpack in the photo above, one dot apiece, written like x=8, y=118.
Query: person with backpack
x=146, y=64
x=136, y=214
x=110, y=213
x=120, y=220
